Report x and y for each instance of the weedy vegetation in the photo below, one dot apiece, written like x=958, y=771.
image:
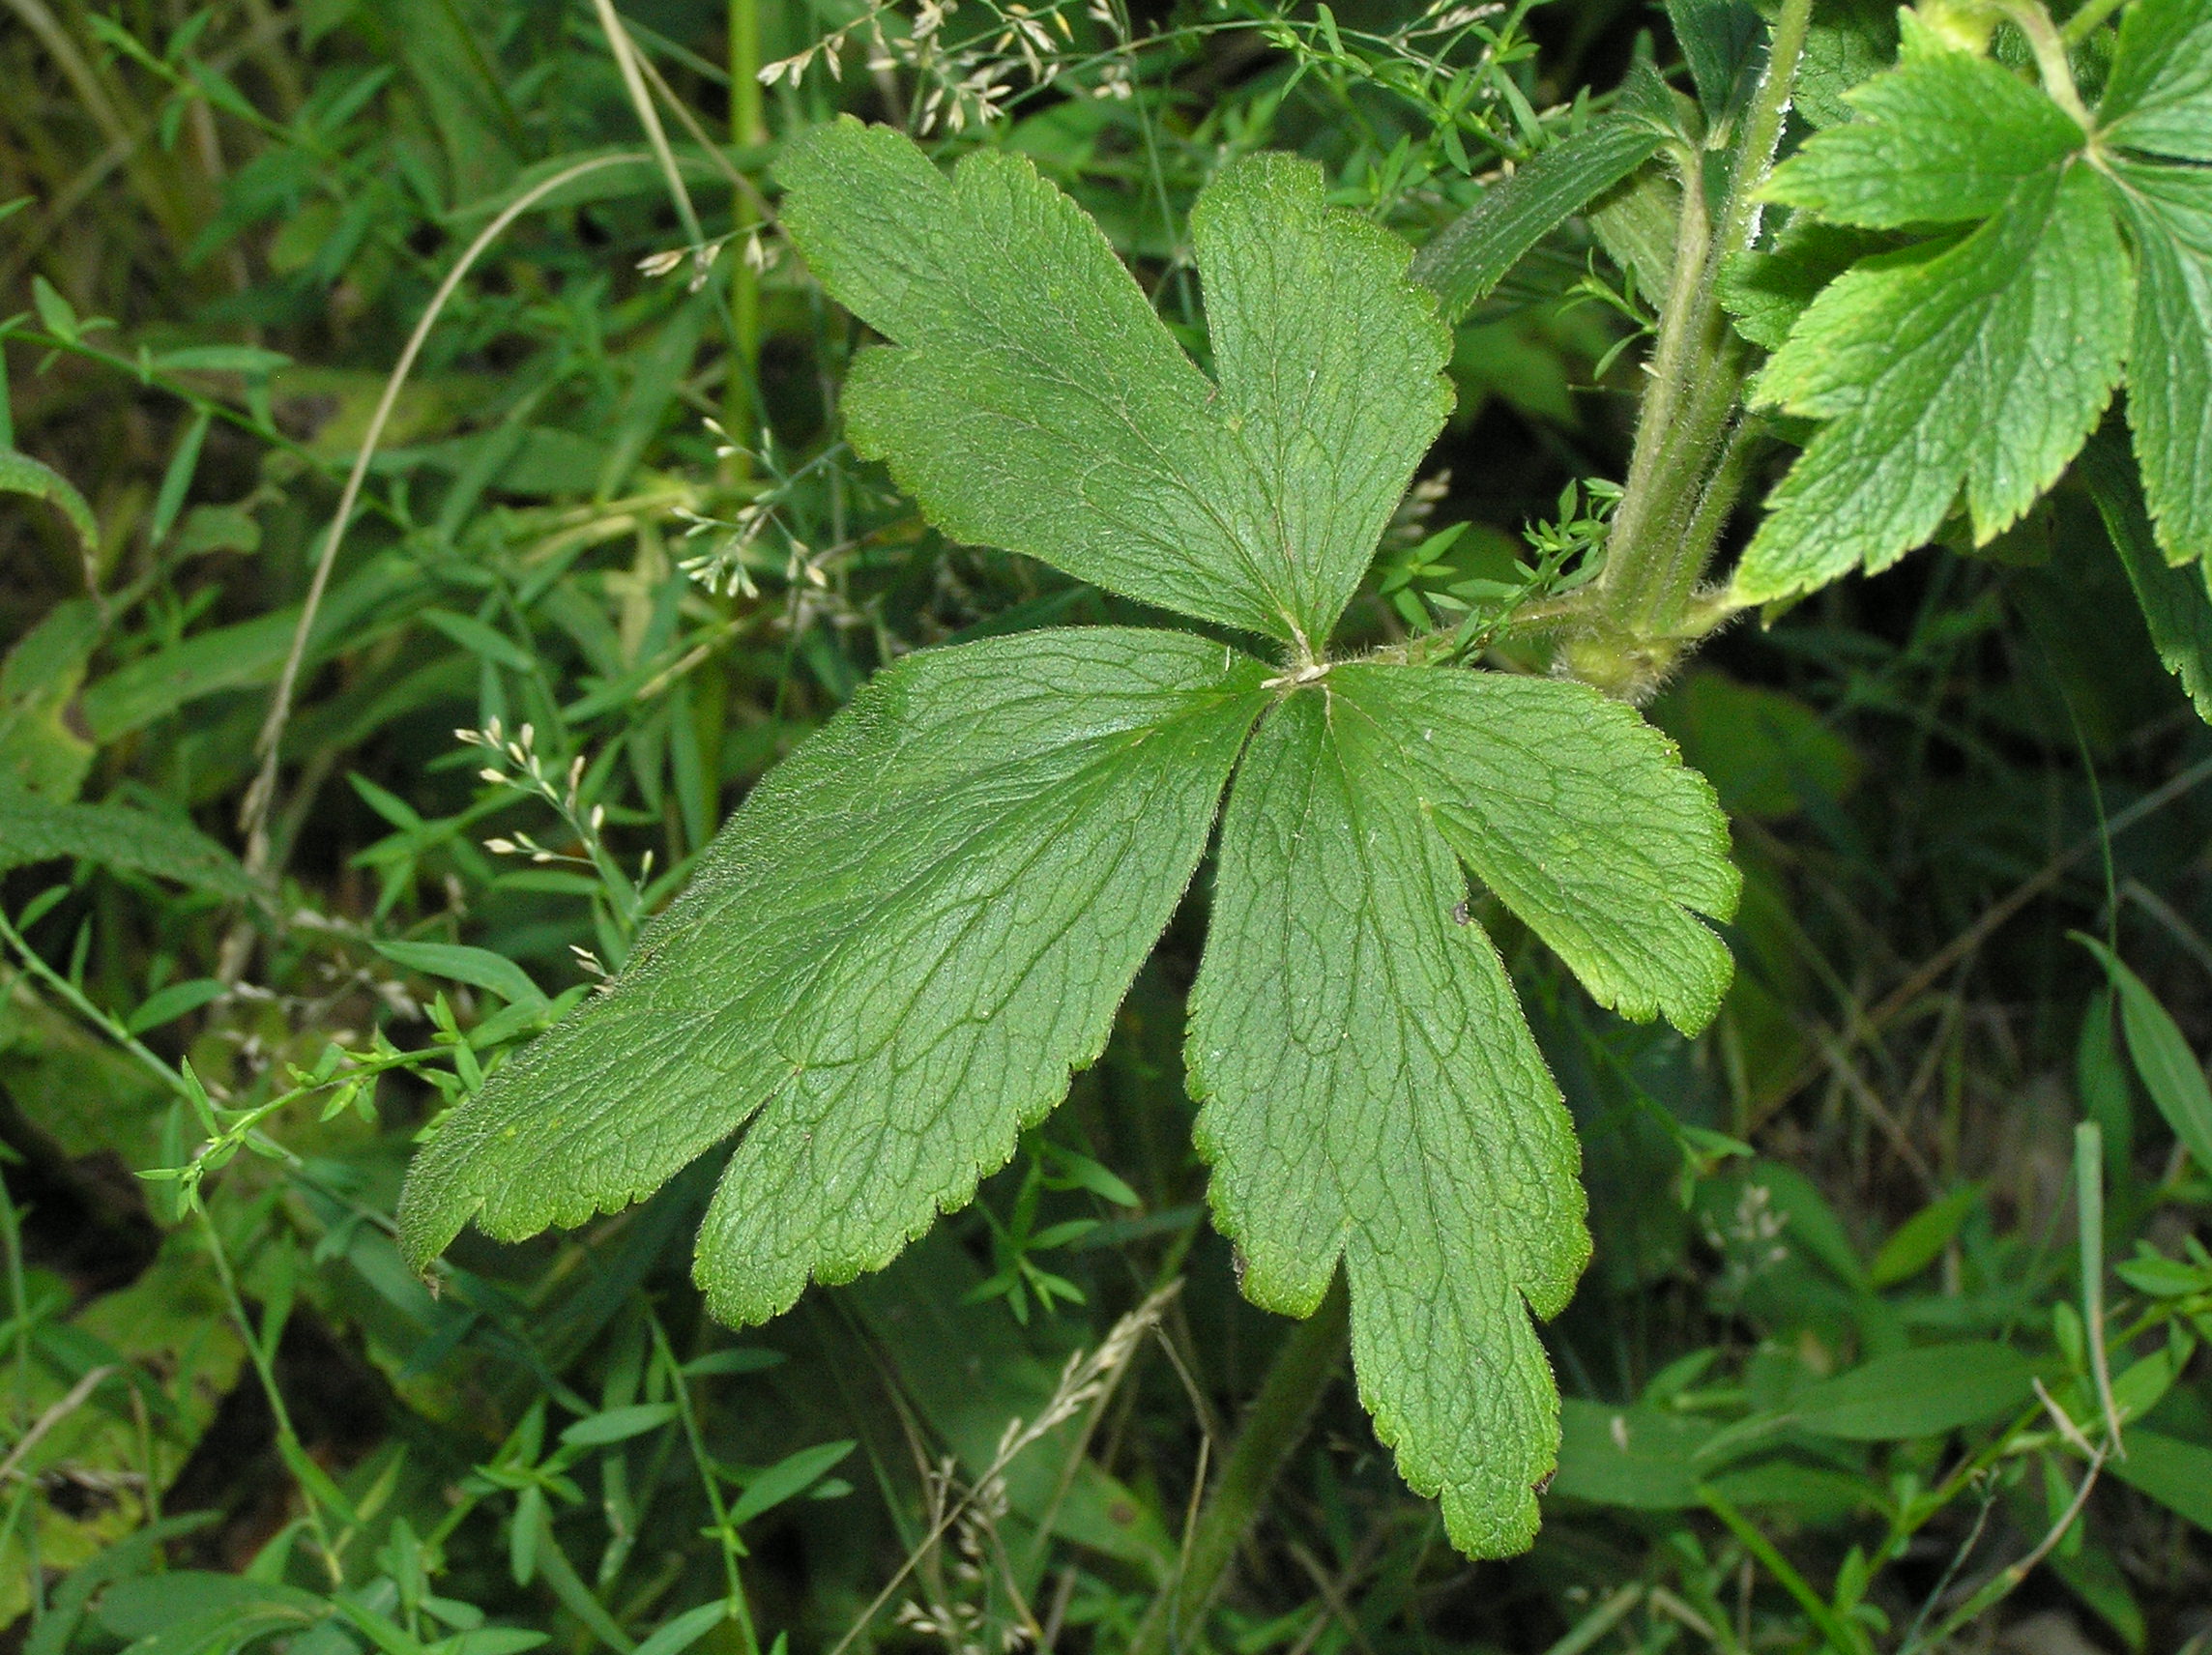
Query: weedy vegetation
x=1039, y=826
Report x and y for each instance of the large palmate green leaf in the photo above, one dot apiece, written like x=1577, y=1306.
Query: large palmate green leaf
x=1371, y=1088
x=1033, y=401
x=1371, y=1093
x=895, y=952
x=893, y=956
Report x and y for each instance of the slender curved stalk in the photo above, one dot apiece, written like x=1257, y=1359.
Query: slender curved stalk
x=253, y=816
x=626, y=56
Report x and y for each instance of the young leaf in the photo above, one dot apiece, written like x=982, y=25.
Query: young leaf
x=1768, y=290
x=618, y=1424
x=1371, y=1091
x=1916, y=1393
x=893, y=955
x=1722, y=42
x=1476, y=251
x=35, y=829
x=1986, y=356
x=1033, y=401
x=2175, y=604
x=479, y=967
x=19, y=474
x=2168, y=211
x=789, y=1476
x=2170, y=1070
x=674, y=1636
x=2175, y=1473
x=1916, y=1242
x=1370, y=1087
x=1642, y=1458
x=1984, y=359
x=2158, y=95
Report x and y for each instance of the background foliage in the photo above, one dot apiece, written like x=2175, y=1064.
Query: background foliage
x=1841, y=1240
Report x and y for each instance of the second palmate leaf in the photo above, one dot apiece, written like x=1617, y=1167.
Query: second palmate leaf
x=892, y=957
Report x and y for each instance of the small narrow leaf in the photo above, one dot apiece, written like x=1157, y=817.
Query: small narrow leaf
x=787, y=1477
x=167, y=1005
x=2176, y=1474
x=1475, y=251
x=1916, y=1393
x=1916, y=1242
x=674, y=1636
x=1644, y=1458
x=618, y=1424
x=19, y=474
x=736, y=1359
x=2169, y=1070
x=177, y=479
x=479, y=967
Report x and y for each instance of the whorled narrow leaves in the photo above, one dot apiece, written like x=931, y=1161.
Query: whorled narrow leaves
x=1980, y=359
x=894, y=953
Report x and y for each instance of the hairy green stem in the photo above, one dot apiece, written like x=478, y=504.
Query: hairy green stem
x=1273, y=1428
x=1687, y=464
x=1640, y=548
